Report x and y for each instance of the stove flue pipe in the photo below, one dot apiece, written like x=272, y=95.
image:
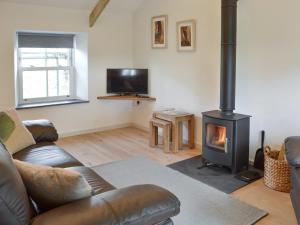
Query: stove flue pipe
x=228, y=56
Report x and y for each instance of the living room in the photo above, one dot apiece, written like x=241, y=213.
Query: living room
x=259, y=77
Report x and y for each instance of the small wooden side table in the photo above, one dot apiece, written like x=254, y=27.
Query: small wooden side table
x=177, y=118
x=166, y=126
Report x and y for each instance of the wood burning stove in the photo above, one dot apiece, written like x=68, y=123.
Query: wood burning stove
x=226, y=140
x=225, y=133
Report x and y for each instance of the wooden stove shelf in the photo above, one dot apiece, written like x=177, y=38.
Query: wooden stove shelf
x=127, y=98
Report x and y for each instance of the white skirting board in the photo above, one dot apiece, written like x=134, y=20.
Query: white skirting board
x=101, y=129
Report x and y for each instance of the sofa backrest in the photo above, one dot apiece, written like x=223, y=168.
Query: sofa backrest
x=15, y=207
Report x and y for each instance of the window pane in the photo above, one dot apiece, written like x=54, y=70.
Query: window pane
x=41, y=57
x=63, y=62
x=51, y=63
x=64, y=82
x=34, y=84
x=62, y=55
x=27, y=63
x=52, y=83
x=33, y=57
x=46, y=79
x=30, y=51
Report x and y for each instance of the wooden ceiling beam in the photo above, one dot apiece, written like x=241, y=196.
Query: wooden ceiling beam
x=97, y=11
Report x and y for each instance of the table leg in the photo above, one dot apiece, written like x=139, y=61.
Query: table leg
x=191, y=133
x=156, y=135
x=180, y=135
x=175, y=137
x=152, y=135
x=167, y=139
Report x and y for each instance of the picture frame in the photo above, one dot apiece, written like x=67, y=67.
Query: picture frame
x=186, y=36
x=159, y=32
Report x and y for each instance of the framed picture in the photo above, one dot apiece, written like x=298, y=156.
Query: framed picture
x=160, y=31
x=186, y=35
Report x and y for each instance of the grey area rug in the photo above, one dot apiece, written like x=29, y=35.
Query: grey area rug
x=217, y=177
x=200, y=203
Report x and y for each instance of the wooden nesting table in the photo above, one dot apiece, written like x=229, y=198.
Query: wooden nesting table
x=177, y=118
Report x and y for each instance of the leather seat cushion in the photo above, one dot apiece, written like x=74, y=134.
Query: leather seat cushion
x=135, y=205
x=98, y=184
x=47, y=154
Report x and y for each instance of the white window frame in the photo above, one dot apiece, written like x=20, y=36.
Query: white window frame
x=71, y=68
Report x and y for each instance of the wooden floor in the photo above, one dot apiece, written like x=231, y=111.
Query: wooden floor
x=104, y=147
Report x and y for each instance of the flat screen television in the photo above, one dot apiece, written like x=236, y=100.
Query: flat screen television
x=127, y=81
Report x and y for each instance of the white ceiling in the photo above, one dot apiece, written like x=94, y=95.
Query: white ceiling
x=122, y=6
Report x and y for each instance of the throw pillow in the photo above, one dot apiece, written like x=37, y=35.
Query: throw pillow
x=13, y=134
x=52, y=187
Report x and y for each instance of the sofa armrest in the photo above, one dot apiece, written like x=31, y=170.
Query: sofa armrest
x=41, y=130
x=292, y=147
x=135, y=205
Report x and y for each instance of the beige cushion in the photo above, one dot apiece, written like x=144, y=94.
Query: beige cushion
x=52, y=187
x=13, y=133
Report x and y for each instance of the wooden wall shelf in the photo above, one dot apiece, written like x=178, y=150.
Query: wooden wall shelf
x=127, y=98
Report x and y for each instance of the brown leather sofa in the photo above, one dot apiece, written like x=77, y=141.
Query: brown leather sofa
x=135, y=205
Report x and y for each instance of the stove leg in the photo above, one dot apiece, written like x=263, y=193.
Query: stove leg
x=205, y=164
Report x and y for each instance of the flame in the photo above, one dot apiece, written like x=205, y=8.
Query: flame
x=216, y=135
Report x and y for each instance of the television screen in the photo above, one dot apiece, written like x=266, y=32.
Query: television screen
x=127, y=81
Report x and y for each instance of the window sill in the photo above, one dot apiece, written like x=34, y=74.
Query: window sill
x=49, y=104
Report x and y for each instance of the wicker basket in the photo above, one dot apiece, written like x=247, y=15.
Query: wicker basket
x=277, y=172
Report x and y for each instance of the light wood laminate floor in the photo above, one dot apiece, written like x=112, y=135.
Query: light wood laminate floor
x=104, y=147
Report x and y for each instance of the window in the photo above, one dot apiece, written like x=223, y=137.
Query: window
x=45, y=68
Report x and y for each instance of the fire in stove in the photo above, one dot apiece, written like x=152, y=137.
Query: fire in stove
x=216, y=136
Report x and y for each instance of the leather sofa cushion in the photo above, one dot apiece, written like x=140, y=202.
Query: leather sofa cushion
x=47, y=154
x=135, y=205
x=52, y=187
x=15, y=207
x=292, y=146
x=98, y=184
x=42, y=130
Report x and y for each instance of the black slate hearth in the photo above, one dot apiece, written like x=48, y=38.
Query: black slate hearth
x=217, y=177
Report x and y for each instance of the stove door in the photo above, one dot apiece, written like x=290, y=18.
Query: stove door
x=217, y=141
x=216, y=137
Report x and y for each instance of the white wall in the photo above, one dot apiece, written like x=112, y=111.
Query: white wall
x=268, y=73
x=110, y=45
x=268, y=63
x=186, y=81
